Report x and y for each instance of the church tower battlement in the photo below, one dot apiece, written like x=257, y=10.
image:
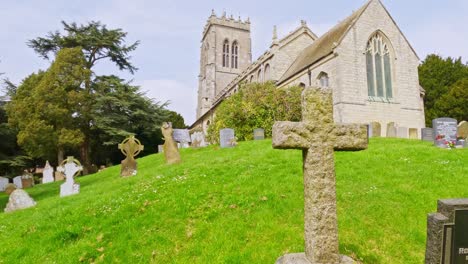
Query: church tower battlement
x=224, y=53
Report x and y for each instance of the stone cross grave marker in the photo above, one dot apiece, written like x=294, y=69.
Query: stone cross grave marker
x=171, y=152
x=71, y=167
x=47, y=173
x=3, y=182
x=259, y=134
x=447, y=233
x=318, y=136
x=130, y=147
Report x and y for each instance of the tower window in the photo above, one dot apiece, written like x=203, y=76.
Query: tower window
x=379, y=77
x=235, y=50
x=226, y=53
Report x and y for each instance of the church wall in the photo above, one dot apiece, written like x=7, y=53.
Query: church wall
x=352, y=102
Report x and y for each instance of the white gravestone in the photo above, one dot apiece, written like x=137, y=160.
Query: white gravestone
x=70, y=167
x=3, y=182
x=198, y=139
x=182, y=137
x=18, y=182
x=48, y=173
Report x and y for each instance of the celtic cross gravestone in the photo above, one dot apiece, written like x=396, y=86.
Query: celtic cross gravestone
x=130, y=147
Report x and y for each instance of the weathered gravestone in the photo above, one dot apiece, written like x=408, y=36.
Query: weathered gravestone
x=259, y=134
x=391, y=130
x=445, y=128
x=17, y=181
x=3, y=182
x=375, y=129
x=413, y=133
x=226, y=138
x=160, y=148
x=427, y=134
x=71, y=167
x=171, y=152
x=130, y=147
x=447, y=233
x=19, y=199
x=47, y=173
x=59, y=176
x=9, y=188
x=198, y=139
x=402, y=132
x=318, y=136
x=182, y=136
x=462, y=130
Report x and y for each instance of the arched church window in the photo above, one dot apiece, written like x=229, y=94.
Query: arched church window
x=251, y=78
x=302, y=85
x=226, y=53
x=235, y=52
x=323, y=79
x=378, y=66
x=259, y=76
x=266, y=73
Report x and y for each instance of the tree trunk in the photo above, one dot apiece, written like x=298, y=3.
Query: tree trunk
x=84, y=154
x=60, y=154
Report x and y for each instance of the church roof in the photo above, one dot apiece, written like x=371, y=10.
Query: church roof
x=323, y=46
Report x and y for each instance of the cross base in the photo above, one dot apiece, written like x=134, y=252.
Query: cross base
x=300, y=258
x=67, y=189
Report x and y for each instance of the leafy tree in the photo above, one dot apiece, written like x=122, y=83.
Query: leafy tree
x=97, y=43
x=454, y=103
x=46, y=107
x=256, y=105
x=437, y=76
x=176, y=119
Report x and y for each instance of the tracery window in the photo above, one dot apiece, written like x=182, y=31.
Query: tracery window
x=378, y=64
x=235, y=52
x=226, y=53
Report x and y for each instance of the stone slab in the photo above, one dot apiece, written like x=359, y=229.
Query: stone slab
x=181, y=135
x=391, y=130
x=300, y=258
x=18, y=182
x=427, y=134
x=226, y=138
x=375, y=129
x=402, y=132
x=445, y=126
x=259, y=134
x=19, y=199
x=3, y=182
x=413, y=133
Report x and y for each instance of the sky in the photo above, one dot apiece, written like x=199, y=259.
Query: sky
x=170, y=32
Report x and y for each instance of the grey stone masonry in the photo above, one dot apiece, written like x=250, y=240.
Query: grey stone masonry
x=318, y=136
x=441, y=232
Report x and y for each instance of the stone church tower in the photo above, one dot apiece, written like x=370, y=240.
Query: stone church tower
x=225, y=52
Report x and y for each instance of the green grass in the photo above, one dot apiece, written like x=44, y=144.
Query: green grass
x=240, y=205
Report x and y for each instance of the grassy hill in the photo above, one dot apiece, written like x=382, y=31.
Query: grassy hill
x=240, y=205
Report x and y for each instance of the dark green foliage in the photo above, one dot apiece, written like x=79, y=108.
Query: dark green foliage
x=256, y=105
x=176, y=119
x=454, y=103
x=438, y=76
x=95, y=39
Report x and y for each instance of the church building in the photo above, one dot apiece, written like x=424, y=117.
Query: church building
x=365, y=59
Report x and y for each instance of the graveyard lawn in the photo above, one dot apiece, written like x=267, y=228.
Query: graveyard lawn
x=236, y=205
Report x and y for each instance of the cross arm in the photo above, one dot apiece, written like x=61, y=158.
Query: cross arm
x=350, y=137
x=292, y=135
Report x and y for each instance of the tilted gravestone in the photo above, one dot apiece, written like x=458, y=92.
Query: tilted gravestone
x=447, y=233
x=318, y=136
x=376, y=129
x=19, y=199
x=462, y=130
x=259, y=134
x=427, y=134
x=445, y=128
x=402, y=132
x=130, y=147
x=413, y=133
x=182, y=136
x=171, y=152
x=3, y=182
x=391, y=130
x=227, y=138
x=47, y=173
x=71, y=167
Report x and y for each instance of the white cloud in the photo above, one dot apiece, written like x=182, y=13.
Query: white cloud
x=181, y=96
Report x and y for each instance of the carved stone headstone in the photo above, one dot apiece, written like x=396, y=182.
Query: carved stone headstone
x=413, y=133
x=376, y=129
x=402, y=132
x=171, y=152
x=427, y=134
x=3, y=182
x=462, y=130
x=445, y=128
x=47, y=173
x=447, y=233
x=227, y=138
x=19, y=199
x=18, y=182
x=391, y=130
x=182, y=136
x=259, y=134
x=318, y=136
x=130, y=147
x=71, y=167
x=198, y=139
x=9, y=188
